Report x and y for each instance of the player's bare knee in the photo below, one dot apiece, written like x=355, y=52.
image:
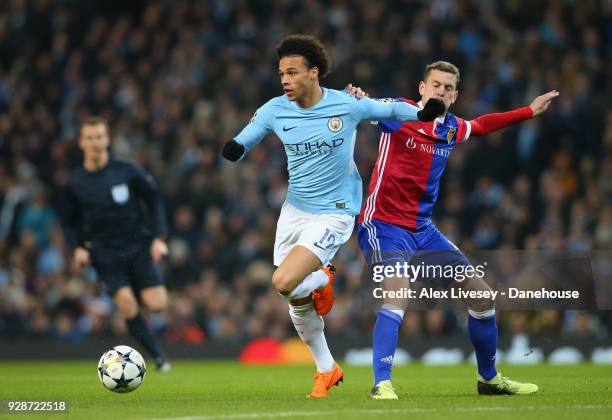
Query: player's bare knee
x=399, y=304
x=156, y=306
x=128, y=310
x=395, y=284
x=282, y=282
x=127, y=305
x=156, y=303
x=480, y=305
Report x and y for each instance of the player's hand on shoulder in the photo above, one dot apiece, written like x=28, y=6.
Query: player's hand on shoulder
x=355, y=91
x=159, y=249
x=542, y=102
x=433, y=108
x=81, y=258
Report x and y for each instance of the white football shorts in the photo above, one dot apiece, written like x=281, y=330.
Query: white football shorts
x=323, y=234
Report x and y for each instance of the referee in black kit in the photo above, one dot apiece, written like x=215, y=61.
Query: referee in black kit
x=106, y=226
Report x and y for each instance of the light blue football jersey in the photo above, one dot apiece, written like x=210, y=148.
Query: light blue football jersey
x=319, y=142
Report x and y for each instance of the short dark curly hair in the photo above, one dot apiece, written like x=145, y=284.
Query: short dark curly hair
x=310, y=48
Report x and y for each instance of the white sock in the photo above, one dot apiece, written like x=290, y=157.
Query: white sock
x=394, y=309
x=313, y=281
x=309, y=327
x=398, y=312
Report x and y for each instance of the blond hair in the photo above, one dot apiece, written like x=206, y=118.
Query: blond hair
x=444, y=66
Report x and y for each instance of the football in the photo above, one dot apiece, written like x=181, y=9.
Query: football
x=121, y=369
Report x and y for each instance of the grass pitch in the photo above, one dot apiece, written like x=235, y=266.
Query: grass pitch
x=227, y=390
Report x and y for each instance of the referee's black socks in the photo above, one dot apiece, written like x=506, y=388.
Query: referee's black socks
x=139, y=329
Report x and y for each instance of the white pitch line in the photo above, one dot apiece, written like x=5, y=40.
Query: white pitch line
x=382, y=411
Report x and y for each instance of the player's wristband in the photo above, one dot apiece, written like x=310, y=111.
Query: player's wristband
x=232, y=150
x=432, y=109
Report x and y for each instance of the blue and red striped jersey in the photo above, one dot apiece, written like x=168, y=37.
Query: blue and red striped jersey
x=411, y=159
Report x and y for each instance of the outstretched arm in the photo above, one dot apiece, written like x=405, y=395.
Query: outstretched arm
x=489, y=123
x=373, y=110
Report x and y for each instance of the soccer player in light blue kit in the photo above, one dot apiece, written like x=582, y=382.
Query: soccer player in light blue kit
x=318, y=129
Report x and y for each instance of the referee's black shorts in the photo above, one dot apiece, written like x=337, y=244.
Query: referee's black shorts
x=127, y=266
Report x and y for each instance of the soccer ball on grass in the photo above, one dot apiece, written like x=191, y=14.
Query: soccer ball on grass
x=121, y=369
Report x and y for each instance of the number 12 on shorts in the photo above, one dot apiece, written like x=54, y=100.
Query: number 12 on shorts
x=327, y=241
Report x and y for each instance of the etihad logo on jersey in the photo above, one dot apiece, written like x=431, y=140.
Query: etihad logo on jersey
x=431, y=149
x=307, y=148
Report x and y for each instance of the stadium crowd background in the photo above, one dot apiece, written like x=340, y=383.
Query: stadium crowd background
x=177, y=79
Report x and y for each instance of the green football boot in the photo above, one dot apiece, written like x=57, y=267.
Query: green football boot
x=500, y=385
x=383, y=391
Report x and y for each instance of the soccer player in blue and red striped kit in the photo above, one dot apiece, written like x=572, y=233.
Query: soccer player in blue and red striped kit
x=395, y=226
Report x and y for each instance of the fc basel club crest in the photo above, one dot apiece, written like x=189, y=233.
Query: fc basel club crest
x=450, y=134
x=334, y=124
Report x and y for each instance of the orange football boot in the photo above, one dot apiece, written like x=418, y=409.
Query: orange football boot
x=323, y=300
x=324, y=381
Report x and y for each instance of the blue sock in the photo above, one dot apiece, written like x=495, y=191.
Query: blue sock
x=483, y=334
x=384, y=342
